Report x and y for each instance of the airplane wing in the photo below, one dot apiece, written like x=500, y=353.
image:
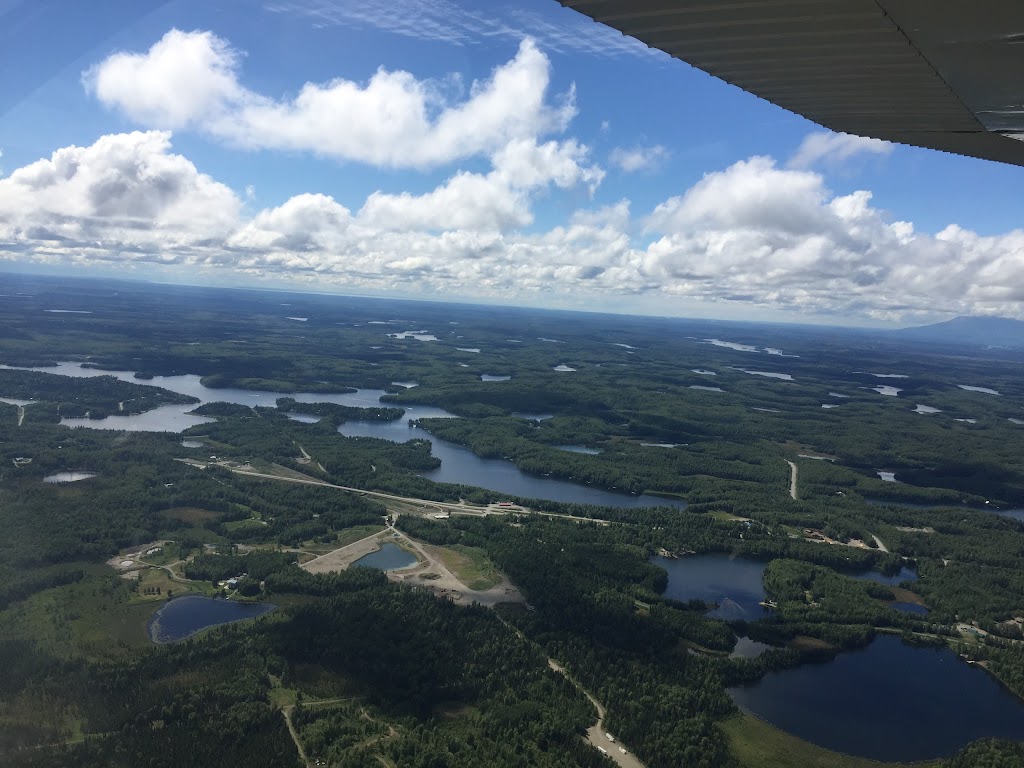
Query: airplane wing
x=943, y=74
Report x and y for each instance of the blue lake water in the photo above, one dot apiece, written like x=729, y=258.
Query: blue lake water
x=748, y=649
x=920, y=610
x=458, y=464
x=888, y=702
x=388, y=558
x=736, y=585
x=1015, y=514
x=185, y=616
x=905, y=574
x=68, y=477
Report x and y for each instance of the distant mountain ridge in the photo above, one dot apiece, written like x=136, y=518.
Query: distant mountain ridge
x=975, y=331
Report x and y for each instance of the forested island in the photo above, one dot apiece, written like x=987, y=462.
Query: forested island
x=552, y=488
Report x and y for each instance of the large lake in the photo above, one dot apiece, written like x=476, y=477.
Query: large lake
x=458, y=464
x=185, y=616
x=888, y=702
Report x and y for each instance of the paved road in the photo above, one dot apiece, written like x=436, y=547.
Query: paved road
x=454, y=508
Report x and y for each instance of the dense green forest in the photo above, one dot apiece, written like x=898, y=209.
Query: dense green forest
x=369, y=671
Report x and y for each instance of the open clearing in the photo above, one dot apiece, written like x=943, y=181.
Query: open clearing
x=469, y=564
x=760, y=745
x=342, y=557
x=430, y=572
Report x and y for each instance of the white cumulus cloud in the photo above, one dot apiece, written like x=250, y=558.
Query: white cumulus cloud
x=191, y=79
x=126, y=191
x=633, y=159
x=829, y=148
x=499, y=200
x=750, y=235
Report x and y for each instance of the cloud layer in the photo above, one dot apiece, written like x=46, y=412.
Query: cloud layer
x=753, y=232
x=446, y=22
x=191, y=80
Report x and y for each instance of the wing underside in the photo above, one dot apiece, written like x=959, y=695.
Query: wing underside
x=943, y=74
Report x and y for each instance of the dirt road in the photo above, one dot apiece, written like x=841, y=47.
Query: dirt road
x=429, y=572
x=597, y=736
x=342, y=557
x=287, y=713
x=792, y=481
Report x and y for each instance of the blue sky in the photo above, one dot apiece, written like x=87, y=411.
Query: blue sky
x=510, y=152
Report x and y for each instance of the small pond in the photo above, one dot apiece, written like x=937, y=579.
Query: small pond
x=389, y=557
x=185, y=616
x=748, y=649
x=304, y=418
x=736, y=585
x=905, y=574
x=889, y=701
x=16, y=401
x=68, y=477
x=903, y=607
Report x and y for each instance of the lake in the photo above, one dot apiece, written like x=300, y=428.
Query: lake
x=889, y=701
x=304, y=418
x=185, y=616
x=1015, y=514
x=461, y=466
x=68, y=477
x=736, y=585
x=389, y=557
x=176, y=418
x=16, y=401
x=458, y=464
x=905, y=574
x=914, y=608
x=748, y=649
